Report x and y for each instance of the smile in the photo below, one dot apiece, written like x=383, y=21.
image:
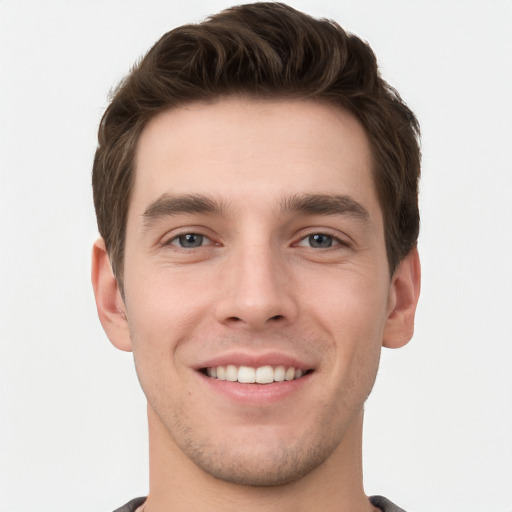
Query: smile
x=261, y=375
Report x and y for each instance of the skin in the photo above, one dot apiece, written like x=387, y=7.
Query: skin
x=258, y=286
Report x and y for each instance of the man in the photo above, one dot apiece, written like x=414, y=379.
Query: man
x=256, y=192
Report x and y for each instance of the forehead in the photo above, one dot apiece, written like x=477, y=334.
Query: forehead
x=241, y=148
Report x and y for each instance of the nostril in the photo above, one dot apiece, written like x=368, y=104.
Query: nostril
x=239, y=320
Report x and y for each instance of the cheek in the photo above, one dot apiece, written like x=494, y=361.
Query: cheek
x=357, y=339
x=162, y=312
x=352, y=310
x=163, y=301
x=350, y=299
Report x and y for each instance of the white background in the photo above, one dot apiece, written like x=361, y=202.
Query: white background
x=72, y=418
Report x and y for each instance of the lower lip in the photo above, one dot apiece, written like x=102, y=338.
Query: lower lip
x=256, y=394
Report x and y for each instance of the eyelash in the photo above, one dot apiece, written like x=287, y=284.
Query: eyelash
x=335, y=241
x=177, y=238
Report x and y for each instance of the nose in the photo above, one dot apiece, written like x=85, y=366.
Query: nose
x=257, y=290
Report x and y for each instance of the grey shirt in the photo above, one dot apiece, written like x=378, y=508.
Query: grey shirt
x=379, y=501
x=384, y=504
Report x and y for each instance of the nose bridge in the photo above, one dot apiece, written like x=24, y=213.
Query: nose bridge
x=255, y=289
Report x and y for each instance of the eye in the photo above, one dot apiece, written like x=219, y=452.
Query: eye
x=319, y=241
x=190, y=240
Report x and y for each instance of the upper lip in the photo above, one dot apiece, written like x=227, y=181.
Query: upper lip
x=255, y=360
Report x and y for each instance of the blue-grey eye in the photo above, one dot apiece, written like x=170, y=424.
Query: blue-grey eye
x=320, y=241
x=189, y=240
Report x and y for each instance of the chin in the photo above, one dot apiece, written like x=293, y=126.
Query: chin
x=262, y=465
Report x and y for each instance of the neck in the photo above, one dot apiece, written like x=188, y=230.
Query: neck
x=178, y=485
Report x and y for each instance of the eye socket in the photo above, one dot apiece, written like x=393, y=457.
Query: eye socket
x=315, y=241
x=319, y=241
x=190, y=240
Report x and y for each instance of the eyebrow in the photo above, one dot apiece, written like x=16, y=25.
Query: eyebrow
x=167, y=205
x=325, y=204
x=306, y=204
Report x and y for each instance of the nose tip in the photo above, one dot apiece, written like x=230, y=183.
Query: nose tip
x=256, y=294
x=254, y=315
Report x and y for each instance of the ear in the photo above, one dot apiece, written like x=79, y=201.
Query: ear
x=403, y=297
x=110, y=305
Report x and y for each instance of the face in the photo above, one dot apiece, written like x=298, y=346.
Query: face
x=256, y=283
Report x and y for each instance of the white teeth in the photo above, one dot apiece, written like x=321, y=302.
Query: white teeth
x=248, y=375
x=279, y=373
x=265, y=375
x=231, y=373
x=290, y=374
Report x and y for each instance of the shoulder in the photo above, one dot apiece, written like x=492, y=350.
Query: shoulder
x=132, y=505
x=379, y=501
x=384, y=504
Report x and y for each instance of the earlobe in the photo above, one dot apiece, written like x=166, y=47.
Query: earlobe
x=403, y=297
x=109, y=303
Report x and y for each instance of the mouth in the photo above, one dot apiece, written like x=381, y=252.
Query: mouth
x=249, y=375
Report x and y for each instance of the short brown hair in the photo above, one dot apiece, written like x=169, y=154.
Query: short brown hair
x=262, y=50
